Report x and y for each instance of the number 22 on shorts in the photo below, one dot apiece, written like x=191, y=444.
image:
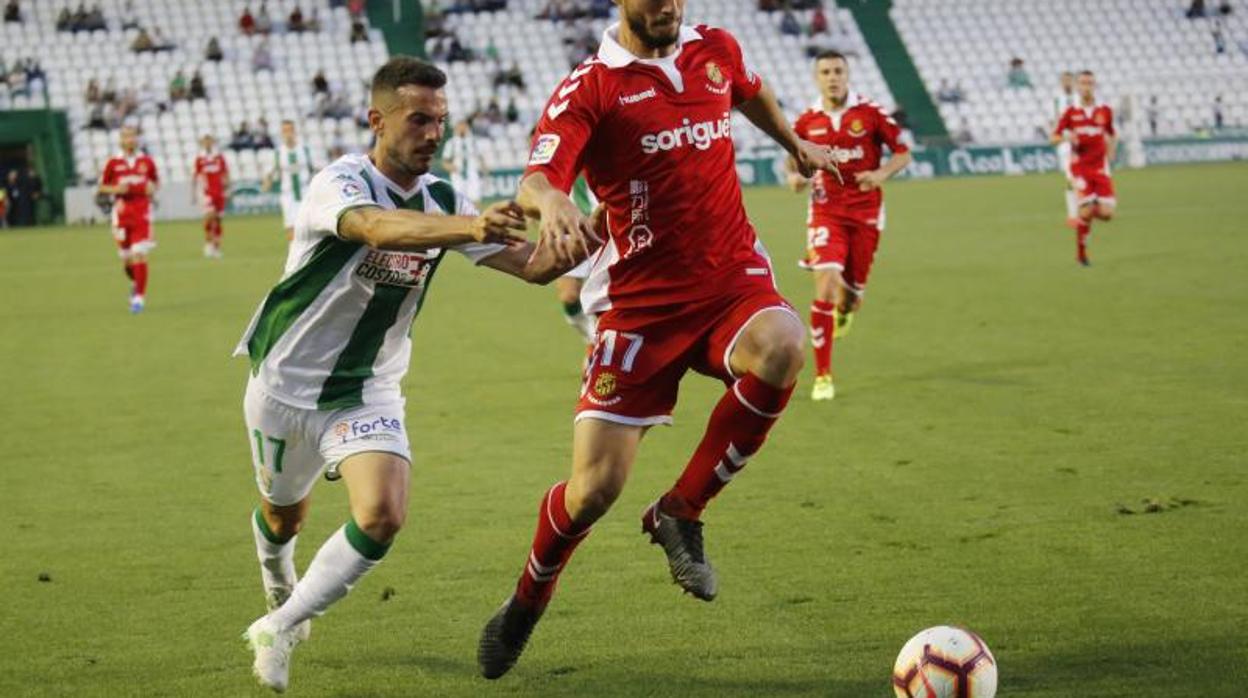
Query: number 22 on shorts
x=275, y=445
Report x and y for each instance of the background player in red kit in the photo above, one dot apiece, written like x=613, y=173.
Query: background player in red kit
x=208, y=185
x=1089, y=128
x=844, y=220
x=681, y=283
x=131, y=178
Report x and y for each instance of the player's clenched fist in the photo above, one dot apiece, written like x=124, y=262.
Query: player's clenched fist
x=497, y=224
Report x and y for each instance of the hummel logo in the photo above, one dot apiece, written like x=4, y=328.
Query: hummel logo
x=638, y=97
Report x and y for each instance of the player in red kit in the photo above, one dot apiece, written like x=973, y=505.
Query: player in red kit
x=844, y=219
x=209, y=182
x=1089, y=128
x=680, y=283
x=130, y=178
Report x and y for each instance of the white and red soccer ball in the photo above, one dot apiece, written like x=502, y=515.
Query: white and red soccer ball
x=945, y=662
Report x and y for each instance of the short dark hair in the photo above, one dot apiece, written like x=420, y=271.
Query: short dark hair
x=1086, y=72
x=407, y=70
x=829, y=54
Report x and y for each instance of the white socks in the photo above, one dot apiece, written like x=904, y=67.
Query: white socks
x=585, y=325
x=1072, y=206
x=348, y=555
x=277, y=560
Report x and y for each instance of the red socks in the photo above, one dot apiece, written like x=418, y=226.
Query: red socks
x=1081, y=236
x=139, y=271
x=129, y=271
x=822, y=325
x=737, y=430
x=557, y=536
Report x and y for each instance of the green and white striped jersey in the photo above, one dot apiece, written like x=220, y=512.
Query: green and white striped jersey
x=294, y=165
x=583, y=197
x=333, y=333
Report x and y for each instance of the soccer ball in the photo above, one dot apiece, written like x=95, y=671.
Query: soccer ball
x=945, y=662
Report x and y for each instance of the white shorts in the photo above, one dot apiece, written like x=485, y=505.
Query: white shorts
x=291, y=447
x=580, y=271
x=290, y=208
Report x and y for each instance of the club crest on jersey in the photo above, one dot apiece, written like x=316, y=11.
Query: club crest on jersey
x=544, y=149
x=856, y=129
x=716, y=77
x=351, y=190
x=604, y=385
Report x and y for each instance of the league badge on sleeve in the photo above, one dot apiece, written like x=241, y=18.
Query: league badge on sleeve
x=544, y=149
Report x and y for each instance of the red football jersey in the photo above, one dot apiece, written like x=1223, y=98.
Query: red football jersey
x=134, y=173
x=654, y=139
x=857, y=134
x=1092, y=126
x=212, y=172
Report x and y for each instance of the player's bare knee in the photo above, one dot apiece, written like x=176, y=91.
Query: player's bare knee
x=590, y=498
x=382, y=522
x=1105, y=213
x=284, y=521
x=782, y=357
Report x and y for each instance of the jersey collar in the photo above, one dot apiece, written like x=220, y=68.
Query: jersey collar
x=389, y=185
x=613, y=55
x=852, y=100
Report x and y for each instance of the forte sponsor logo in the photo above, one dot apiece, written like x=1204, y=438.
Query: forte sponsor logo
x=701, y=135
x=367, y=428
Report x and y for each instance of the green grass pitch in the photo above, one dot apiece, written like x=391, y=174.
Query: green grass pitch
x=1001, y=412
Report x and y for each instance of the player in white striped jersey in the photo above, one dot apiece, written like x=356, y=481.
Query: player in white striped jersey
x=461, y=157
x=293, y=167
x=329, y=346
x=1063, y=100
x=568, y=287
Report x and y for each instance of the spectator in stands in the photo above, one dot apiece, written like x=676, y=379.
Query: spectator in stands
x=177, y=87
x=213, y=52
x=457, y=52
x=359, y=32
x=95, y=20
x=129, y=19
x=355, y=8
x=264, y=23
x=92, y=93
x=1154, y=115
x=247, y=22
x=96, y=119
x=600, y=9
x=197, y=90
x=13, y=12
x=143, y=42
x=1218, y=119
x=789, y=25
x=435, y=19
x=13, y=193
x=1224, y=8
x=262, y=57
x=319, y=84
x=64, y=20
x=241, y=139
x=818, y=22
x=78, y=21
x=294, y=22
x=1017, y=76
x=35, y=77
x=313, y=22
x=260, y=137
x=1196, y=10
x=768, y=5
x=513, y=113
x=109, y=93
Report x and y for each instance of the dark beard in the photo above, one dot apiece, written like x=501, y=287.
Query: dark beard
x=638, y=25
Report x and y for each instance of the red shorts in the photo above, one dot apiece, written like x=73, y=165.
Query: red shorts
x=844, y=244
x=640, y=355
x=213, y=203
x=133, y=236
x=1093, y=186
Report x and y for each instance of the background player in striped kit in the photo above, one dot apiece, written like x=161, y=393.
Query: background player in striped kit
x=293, y=168
x=568, y=287
x=330, y=345
x=1063, y=100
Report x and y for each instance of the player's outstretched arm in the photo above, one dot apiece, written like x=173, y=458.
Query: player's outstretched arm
x=795, y=179
x=400, y=229
x=873, y=179
x=539, y=266
x=564, y=229
x=764, y=112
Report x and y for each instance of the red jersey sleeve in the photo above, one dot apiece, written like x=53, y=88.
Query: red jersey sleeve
x=802, y=126
x=746, y=83
x=565, y=128
x=154, y=176
x=199, y=166
x=109, y=177
x=888, y=132
x=1109, y=122
x=1063, y=124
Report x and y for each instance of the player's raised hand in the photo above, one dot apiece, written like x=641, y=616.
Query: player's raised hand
x=498, y=223
x=568, y=233
x=811, y=157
